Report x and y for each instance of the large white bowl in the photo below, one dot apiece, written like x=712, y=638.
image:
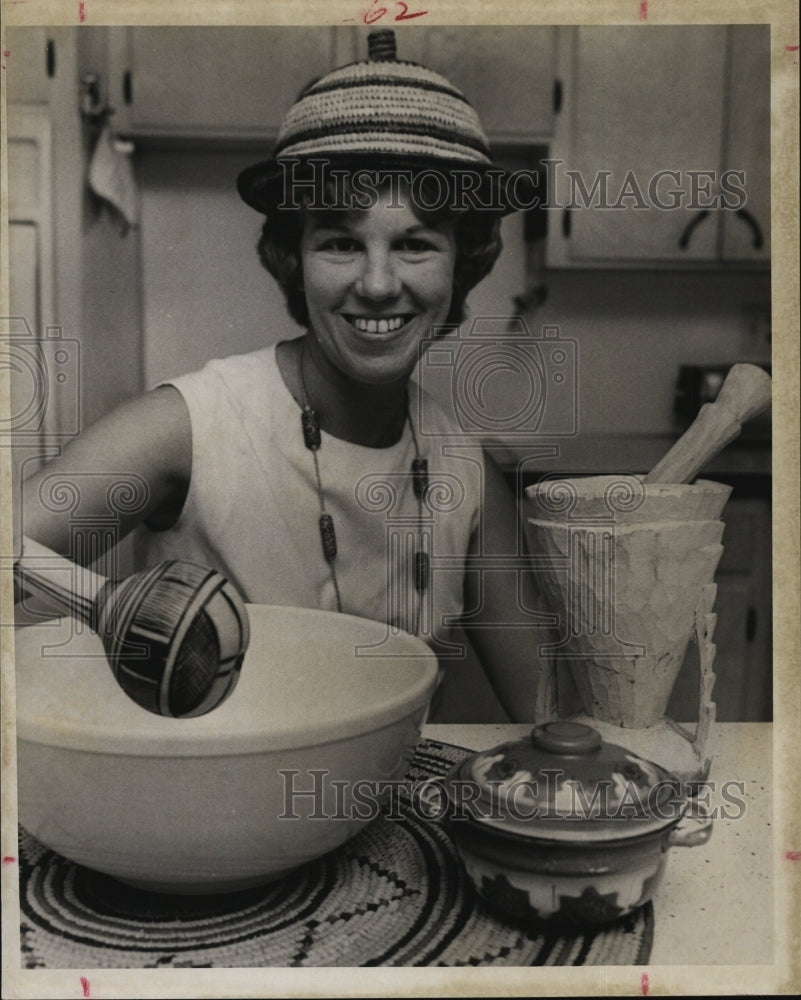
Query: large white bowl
x=326, y=704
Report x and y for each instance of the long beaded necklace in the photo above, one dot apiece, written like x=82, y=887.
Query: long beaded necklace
x=310, y=424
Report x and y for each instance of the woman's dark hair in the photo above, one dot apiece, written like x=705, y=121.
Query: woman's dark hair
x=477, y=236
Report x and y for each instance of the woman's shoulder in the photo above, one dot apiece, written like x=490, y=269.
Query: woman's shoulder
x=233, y=382
x=234, y=369
x=242, y=395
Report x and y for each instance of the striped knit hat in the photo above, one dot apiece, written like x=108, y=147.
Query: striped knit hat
x=380, y=113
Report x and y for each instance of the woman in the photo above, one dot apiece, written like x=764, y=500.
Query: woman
x=312, y=473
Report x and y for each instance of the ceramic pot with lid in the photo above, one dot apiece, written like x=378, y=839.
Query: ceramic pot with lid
x=564, y=826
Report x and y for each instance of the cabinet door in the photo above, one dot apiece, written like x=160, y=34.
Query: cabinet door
x=26, y=61
x=742, y=636
x=35, y=398
x=216, y=82
x=746, y=234
x=641, y=131
x=507, y=73
x=732, y=682
x=745, y=569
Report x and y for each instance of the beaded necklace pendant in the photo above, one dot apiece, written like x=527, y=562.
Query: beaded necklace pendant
x=312, y=439
x=311, y=428
x=420, y=476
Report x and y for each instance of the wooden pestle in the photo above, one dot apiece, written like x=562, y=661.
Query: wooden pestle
x=174, y=634
x=744, y=394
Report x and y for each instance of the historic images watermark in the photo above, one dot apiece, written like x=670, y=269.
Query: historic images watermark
x=45, y=413
x=319, y=185
x=45, y=381
x=502, y=378
x=314, y=795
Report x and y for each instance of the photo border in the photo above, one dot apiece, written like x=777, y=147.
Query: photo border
x=784, y=976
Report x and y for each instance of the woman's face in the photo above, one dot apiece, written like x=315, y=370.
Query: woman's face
x=375, y=281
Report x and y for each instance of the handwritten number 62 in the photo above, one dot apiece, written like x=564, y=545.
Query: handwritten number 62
x=373, y=13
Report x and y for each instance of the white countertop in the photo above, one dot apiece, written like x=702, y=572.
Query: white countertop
x=715, y=905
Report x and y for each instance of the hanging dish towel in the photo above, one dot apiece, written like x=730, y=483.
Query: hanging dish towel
x=111, y=176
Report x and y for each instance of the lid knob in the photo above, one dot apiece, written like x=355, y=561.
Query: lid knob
x=566, y=738
x=381, y=45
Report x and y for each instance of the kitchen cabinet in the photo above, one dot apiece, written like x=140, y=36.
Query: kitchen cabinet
x=72, y=276
x=84, y=281
x=29, y=63
x=237, y=83
x=507, y=73
x=746, y=237
x=32, y=351
x=660, y=154
x=214, y=83
x=743, y=631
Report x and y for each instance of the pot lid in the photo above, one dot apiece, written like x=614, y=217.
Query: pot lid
x=564, y=782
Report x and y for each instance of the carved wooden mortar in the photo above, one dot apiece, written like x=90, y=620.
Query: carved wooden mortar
x=622, y=564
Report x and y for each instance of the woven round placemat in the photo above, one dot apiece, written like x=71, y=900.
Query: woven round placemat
x=394, y=895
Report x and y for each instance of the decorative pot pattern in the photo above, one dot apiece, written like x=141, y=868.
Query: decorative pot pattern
x=589, y=839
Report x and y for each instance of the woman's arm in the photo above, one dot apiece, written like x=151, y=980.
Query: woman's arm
x=146, y=440
x=503, y=618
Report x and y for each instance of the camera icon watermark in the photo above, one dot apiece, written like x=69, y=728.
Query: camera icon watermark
x=45, y=377
x=500, y=380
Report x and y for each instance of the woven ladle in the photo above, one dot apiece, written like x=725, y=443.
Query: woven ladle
x=174, y=634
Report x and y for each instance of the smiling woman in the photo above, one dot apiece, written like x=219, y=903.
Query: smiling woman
x=377, y=283
x=317, y=472
x=437, y=200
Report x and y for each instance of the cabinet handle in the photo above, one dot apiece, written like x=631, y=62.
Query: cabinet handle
x=750, y=624
x=692, y=225
x=557, y=96
x=757, y=241
x=50, y=58
x=566, y=223
x=127, y=87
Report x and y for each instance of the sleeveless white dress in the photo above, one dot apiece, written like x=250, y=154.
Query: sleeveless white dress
x=253, y=506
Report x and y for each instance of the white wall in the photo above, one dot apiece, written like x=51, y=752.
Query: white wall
x=204, y=291
x=634, y=329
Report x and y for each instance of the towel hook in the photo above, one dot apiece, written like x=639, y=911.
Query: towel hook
x=93, y=108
